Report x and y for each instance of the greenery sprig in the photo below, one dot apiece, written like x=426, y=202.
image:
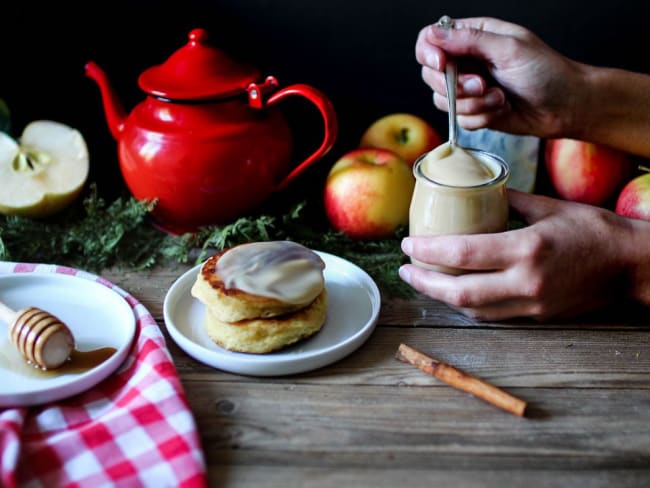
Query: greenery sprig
x=96, y=235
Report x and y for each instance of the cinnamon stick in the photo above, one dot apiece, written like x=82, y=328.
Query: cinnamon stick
x=461, y=380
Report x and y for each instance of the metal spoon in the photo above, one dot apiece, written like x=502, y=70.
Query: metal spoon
x=451, y=81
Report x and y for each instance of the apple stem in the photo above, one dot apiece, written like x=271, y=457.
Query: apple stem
x=644, y=168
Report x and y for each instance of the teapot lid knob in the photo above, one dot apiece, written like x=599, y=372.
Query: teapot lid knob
x=197, y=71
x=198, y=35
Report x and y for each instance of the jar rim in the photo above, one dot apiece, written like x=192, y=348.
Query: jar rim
x=501, y=177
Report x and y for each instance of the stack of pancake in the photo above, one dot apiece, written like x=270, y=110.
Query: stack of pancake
x=262, y=296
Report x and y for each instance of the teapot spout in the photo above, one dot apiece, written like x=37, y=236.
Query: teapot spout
x=113, y=109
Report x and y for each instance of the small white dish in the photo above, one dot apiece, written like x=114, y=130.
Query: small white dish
x=97, y=316
x=353, y=308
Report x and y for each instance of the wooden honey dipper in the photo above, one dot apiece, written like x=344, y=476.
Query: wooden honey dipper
x=40, y=337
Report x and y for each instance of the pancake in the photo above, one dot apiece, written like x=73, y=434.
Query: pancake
x=231, y=304
x=265, y=335
x=262, y=296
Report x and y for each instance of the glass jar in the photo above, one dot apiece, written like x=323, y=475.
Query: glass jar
x=440, y=209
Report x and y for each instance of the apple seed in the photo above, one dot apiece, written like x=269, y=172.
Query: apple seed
x=30, y=160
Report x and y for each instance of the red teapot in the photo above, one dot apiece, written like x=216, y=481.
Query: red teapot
x=208, y=142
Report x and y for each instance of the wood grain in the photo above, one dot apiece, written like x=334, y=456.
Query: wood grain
x=369, y=420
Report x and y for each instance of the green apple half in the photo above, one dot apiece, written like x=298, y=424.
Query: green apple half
x=44, y=171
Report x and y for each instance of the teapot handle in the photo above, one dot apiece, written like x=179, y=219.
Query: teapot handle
x=326, y=109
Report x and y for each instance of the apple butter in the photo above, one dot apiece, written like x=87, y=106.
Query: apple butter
x=458, y=191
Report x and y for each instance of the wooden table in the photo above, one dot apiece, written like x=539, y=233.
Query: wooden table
x=371, y=420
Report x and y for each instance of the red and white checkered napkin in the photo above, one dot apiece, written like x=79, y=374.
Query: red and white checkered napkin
x=133, y=429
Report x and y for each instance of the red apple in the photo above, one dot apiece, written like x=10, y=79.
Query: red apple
x=405, y=134
x=634, y=199
x=368, y=193
x=586, y=172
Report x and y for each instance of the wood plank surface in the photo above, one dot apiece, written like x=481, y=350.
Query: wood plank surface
x=512, y=358
x=380, y=428
x=283, y=477
x=371, y=420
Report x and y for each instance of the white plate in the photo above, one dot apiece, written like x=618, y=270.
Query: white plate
x=352, y=312
x=97, y=317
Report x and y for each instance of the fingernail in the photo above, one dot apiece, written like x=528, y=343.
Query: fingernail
x=473, y=86
x=404, y=274
x=407, y=246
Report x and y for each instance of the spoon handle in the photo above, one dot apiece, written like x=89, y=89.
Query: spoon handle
x=451, y=77
x=451, y=82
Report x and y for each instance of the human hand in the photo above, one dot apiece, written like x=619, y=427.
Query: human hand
x=572, y=258
x=531, y=84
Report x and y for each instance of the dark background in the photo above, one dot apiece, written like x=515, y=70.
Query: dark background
x=360, y=53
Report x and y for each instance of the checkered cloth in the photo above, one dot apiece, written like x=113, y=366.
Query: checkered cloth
x=133, y=429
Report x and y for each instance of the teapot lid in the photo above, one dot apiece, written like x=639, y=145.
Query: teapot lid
x=197, y=71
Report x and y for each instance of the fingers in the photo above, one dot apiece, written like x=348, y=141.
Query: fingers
x=485, y=252
x=474, y=98
x=428, y=54
x=493, y=100
x=477, y=104
x=469, y=85
x=486, y=119
x=477, y=112
x=446, y=288
x=492, y=295
x=475, y=252
x=479, y=37
x=493, y=25
x=482, y=296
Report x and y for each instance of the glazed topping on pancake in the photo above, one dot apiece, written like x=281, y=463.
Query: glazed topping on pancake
x=283, y=270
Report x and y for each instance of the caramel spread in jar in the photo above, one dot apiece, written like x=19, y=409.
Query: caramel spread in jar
x=455, y=166
x=283, y=270
x=458, y=191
